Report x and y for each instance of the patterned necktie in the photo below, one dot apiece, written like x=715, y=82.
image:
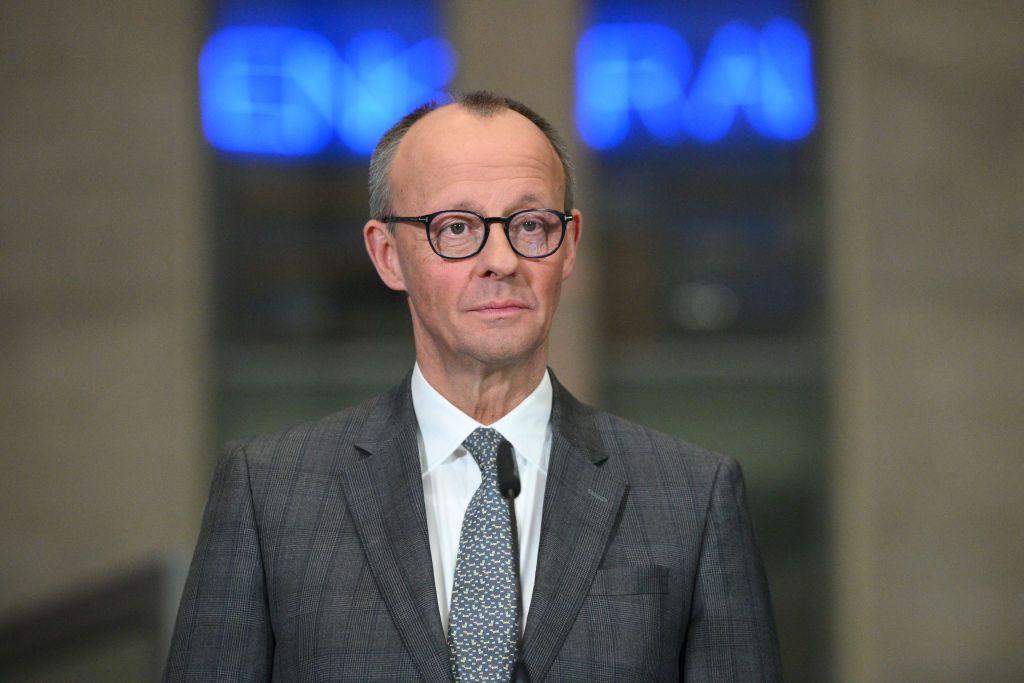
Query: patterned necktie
x=482, y=629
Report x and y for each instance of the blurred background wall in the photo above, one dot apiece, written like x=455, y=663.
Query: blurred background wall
x=103, y=319
x=926, y=166
x=841, y=311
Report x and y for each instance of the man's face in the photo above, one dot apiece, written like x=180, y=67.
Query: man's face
x=495, y=308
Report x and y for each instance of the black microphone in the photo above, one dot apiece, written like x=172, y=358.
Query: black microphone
x=509, y=485
x=508, y=477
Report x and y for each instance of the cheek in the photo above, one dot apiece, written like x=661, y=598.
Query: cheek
x=436, y=295
x=548, y=288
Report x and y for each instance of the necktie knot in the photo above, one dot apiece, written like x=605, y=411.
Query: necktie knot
x=482, y=444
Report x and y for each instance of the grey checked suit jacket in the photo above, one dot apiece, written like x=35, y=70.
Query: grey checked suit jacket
x=313, y=562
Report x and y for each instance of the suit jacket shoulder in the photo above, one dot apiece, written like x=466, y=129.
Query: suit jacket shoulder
x=636, y=452
x=309, y=546
x=316, y=445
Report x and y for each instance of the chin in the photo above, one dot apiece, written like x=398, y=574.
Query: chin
x=496, y=357
x=505, y=352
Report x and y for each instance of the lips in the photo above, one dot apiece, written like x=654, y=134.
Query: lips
x=500, y=307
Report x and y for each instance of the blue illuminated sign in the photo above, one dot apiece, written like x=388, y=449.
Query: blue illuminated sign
x=645, y=72
x=290, y=91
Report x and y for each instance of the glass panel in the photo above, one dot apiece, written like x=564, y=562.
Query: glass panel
x=293, y=97
x=701, y=119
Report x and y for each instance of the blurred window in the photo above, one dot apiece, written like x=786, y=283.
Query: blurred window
x=293, y=98
x=702, y=118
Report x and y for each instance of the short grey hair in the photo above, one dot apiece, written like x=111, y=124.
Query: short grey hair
x=480, y=102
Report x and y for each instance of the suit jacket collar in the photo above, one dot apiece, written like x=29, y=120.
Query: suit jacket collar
x=387, y=415
x=575, y=422
x=385, y=497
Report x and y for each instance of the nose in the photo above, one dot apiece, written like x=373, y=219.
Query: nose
x=497, y=259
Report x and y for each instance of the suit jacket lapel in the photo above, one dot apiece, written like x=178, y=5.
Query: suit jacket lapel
x=384, y=492
x=581, y=504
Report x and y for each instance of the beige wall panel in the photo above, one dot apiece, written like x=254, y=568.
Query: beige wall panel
x=101, y=274
x=926, y=161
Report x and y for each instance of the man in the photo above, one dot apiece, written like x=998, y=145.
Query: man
x=375, y=544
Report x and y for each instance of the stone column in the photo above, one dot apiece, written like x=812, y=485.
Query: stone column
x=102, y=292
x=925, y=141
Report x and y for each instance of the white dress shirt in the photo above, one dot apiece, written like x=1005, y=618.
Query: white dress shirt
x=451, y=476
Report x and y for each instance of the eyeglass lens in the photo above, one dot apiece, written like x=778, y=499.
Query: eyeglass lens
x=532, y=233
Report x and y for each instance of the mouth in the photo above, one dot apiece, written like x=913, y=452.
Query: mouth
x=500, y=309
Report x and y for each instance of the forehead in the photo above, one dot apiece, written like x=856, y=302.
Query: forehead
x=455, y=155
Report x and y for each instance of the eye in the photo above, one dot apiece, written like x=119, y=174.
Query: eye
x=532, y=223
x=452, y=224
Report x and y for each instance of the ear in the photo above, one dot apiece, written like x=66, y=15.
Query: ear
x=382, y=246
x=571, y=243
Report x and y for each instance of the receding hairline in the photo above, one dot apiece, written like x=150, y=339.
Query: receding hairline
x=483, y=111
x=479, y=103
x=489, y=113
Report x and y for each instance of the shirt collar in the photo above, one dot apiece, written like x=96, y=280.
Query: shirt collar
x=444, y=427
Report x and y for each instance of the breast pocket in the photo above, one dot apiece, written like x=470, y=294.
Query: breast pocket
x=619, y=630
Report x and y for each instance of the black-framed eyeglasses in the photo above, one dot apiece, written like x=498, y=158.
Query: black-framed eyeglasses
x=458, y=234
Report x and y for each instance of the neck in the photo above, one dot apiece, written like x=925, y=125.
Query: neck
x=484, y=392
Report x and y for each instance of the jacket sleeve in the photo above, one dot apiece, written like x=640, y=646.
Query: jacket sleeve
x=223, y=630
x=731, y=634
